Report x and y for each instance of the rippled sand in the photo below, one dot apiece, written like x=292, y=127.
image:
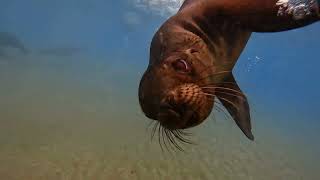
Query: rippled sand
x=61, y=123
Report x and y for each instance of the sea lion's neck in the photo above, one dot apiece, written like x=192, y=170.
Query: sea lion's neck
x=223, y=36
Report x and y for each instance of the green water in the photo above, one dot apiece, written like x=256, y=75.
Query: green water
x=78, y=119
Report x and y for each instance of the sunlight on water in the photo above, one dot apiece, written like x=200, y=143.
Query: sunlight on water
x=74, y=119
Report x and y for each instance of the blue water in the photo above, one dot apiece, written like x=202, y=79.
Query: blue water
x=69, y=107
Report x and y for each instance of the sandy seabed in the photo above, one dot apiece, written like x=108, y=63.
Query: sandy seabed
x=55, y=125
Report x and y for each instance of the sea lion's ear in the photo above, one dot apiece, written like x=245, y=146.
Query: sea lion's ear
x=236, y=103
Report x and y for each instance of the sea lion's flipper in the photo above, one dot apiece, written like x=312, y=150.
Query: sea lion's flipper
x=236, y=103
x=265, y=15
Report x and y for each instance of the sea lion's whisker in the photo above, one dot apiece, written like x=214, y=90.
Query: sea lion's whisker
x=228, y=101
x=164, y=138
x=172, y=140
x=176, y=142
x=154, y=129
x=231, y=94
x=177, y=134
x=213, y=118
x=226, y=93
x=159, y=137
x=172, y=136
x=178, y=137
x=184, y=133
x=213, y=74
x=228, y=83
x=214, y=100
x=168, y=138
x=217, y=107
x=207, y=68
x=222, y=88
x=220, y=109
x=149, y=125
x=232, y=83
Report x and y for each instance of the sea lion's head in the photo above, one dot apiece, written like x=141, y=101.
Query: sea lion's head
x=186, y=73
x=171, y=88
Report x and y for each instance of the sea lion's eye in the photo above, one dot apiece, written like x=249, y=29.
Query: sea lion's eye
x=181, y=65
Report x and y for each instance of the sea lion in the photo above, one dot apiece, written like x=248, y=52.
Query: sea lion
x=193, y=53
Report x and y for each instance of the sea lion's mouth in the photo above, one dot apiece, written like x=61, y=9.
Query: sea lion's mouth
x=176, y=116
x=173, y=120
x=169, y=117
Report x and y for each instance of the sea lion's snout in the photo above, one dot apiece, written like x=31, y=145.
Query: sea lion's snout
x=168, y=117
x=184, y=107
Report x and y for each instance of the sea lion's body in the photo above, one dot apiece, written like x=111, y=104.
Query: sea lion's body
x=200, y=46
